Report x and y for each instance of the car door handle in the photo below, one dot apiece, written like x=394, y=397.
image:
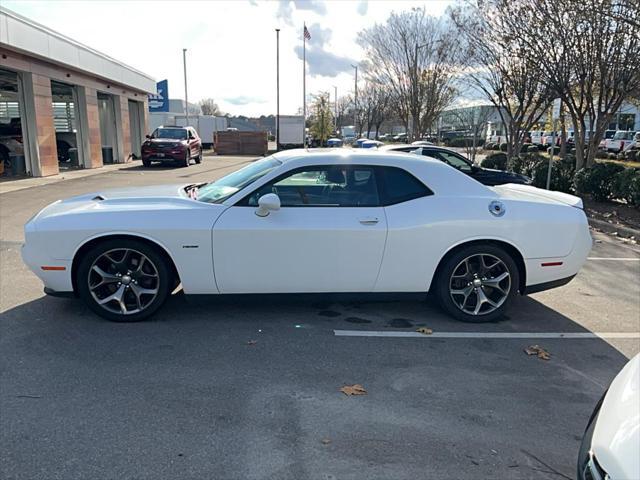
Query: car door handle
x=369, y=221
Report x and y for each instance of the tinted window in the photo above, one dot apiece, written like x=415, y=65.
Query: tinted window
x=398, y=186
x=322, y=186
x=170, y=133
x=450, y=158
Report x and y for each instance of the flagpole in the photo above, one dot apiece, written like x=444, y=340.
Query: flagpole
x=304, y=86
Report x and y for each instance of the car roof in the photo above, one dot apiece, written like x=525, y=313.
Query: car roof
x=438, y=176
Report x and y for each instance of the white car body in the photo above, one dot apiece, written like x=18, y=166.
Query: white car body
x=224, y=248
x=615, y=443
x=620, y=141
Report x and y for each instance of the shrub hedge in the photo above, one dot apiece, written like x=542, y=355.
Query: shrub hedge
x=603, y=181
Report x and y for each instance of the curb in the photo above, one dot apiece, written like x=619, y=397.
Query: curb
x=622, y=231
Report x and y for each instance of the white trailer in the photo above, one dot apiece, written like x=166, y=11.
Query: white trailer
x=205, y=125
x=291, y=132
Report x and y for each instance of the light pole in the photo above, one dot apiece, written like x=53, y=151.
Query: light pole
x=277, y=88
x=355, y=104
x=186, y=98
x=335, y=108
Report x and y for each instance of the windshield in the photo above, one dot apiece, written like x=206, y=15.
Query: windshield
x=170, y=133
x=623, y=135
x=220, y=190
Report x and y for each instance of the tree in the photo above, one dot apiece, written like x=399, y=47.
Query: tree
x=209, y=107
x=473, y=120
x=502, y=66
x=591, y=51
x=322, y=121
x=413, y=56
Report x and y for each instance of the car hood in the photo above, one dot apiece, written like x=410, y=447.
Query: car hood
x=617, y=434
x=150, y=197
x=512, y=191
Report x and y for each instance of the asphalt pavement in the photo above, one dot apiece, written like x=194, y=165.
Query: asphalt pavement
x=235, y=388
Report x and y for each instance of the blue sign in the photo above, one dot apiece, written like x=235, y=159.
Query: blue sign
x=160, y=101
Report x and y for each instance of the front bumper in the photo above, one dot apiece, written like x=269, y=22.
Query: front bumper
x=58, y=280
x=172, y=156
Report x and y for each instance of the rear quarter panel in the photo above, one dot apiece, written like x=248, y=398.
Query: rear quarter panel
x=422, y=231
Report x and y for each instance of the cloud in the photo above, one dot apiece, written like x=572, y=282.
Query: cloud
x=312, y=5
x=244, y=100
x=324, y=63
x=363, y=6
x=319, y=35
x=286, y=8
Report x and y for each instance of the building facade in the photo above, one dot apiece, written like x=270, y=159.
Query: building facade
x=64, y=105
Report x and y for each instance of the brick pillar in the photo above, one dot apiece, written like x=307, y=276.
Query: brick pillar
x=89, y=127
x=125, y=148
x=44, y=128
x=92, y=127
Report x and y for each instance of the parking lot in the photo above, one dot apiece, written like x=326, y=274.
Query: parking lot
x=234, y=388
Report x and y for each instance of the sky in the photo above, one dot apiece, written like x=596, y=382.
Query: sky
x=231, y=45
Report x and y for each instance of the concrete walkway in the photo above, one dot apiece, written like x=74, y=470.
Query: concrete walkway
x=9, y=185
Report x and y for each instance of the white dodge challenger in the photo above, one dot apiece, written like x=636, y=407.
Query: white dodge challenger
x=311, y=221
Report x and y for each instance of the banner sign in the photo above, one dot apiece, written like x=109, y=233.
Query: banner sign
x=160, y=101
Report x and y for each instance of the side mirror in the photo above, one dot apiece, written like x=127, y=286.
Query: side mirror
x=267, y=203
x=148, y=137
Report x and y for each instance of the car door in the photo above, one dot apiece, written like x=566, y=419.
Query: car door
x=193, y=143
x=328, y=236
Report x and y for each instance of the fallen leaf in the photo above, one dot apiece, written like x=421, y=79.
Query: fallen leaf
x=353, y=390
x=325, y=441
x=424, y=330
x=252, y=342
x=538, y=351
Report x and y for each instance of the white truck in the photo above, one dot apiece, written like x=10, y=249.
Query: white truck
x=205, y=125
x=291, y=132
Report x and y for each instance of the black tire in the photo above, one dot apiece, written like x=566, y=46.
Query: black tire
x=499, y=297
x=146, y=163
x=199, y=157
x=162, y=281
x=187, y=159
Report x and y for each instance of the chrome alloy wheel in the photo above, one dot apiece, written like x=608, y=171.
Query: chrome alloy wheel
x=123, y=281
x=480, y=284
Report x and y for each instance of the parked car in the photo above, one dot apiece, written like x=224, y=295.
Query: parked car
x=610, y=444
x=537, y=136
x=421, y=142
x=318, y=221
x=172, y=144
x=608, y=134
x=401, y=137
x=486, y=176
x=619, y=141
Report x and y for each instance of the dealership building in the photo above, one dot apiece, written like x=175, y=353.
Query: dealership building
x=64, y=105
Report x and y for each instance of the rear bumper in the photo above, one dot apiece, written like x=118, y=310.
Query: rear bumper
x=541, y=287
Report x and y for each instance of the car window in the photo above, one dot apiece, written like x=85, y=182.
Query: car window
x=398, y=186
x=322, y=186
x=450, y=158
x=170, y=133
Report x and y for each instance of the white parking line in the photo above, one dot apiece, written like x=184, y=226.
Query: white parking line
x=616, y=259
x=373, y=333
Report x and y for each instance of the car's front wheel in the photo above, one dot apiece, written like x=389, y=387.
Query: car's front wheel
x=187, y=159
x=199, y=157
x=123, y=280
x=477, y=283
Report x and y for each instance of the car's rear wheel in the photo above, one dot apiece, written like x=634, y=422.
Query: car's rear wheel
x=123, y=280
x=146, y=163
x=477, y=283
x=199, y=157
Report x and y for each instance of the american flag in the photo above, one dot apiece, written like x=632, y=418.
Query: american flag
x=307, y=35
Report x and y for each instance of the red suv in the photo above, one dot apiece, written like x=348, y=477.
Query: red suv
x=172, y=144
